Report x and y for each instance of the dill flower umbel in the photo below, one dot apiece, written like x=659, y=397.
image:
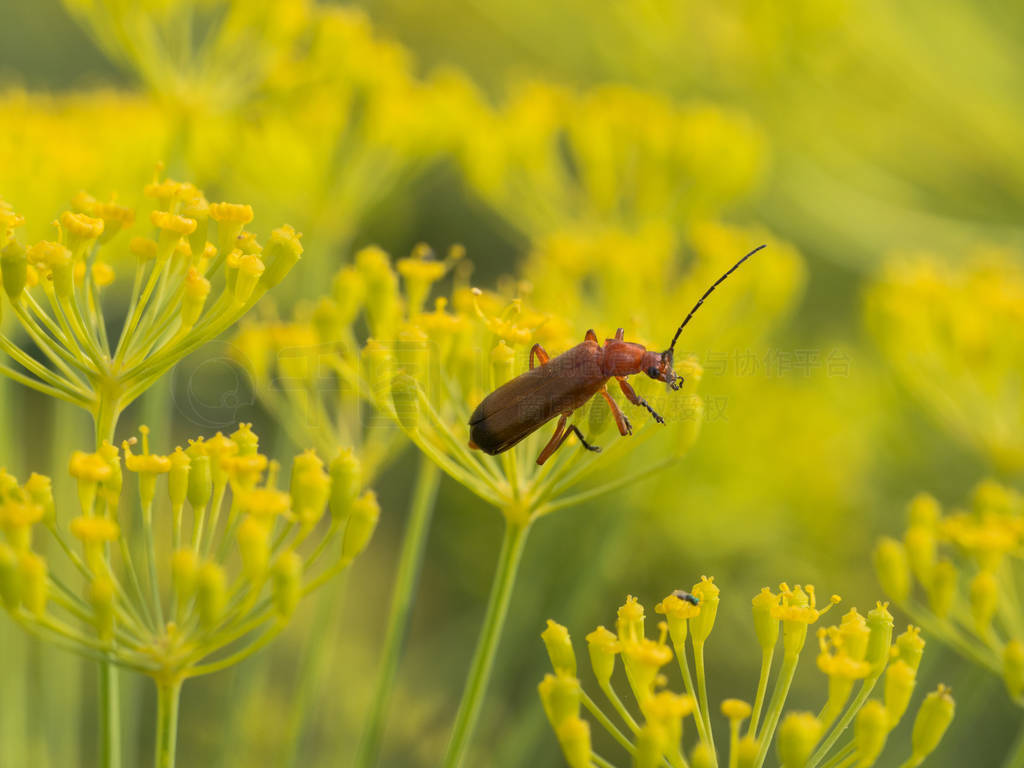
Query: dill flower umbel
x=56, y=288
x=954, y=573
x=859, y=650
x=221, y=557
x=422, y=371
x=961, y=364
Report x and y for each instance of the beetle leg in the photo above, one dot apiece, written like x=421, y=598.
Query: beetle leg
x=620, y=418
x=538, y=350
x=560, y=436
x=635, y=399
x=591, y=336
x=620, y=334
x=555, y=441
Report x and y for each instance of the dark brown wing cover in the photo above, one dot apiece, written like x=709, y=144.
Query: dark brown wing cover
x=517, y=408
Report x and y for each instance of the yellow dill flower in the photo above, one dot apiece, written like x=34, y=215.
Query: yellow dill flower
x=848, y=654
x=229, y=575
x=168, y=314
x=958, y=363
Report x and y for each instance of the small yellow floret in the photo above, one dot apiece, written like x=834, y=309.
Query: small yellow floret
x=89, y=466
x=171, y=222
x=82, y=226
x=736, y=709
x=233, y=212
x=94, y=529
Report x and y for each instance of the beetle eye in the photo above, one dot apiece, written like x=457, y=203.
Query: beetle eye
x=652, y=372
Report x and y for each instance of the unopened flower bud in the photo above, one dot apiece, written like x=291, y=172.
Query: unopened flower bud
x=942, y=590
x=346, y=481
x=924, y=510
x=281, y=254
x=574, y=738
x=405, y=398
x=603, y=646
x=909, y=647
x=1013, y=668
x=921, y=551
x=33, y=582
x=197, y=290
x=212, y=594
x=10, y=577
x=361, y=523
x=900, y=679
x=185, y=573
x=560, y=695
x=200, y=482
x=766, y=620
x=747, y=751
x=177, y=478
x=798, y=734
x=287, y=582
x=707, y=596
x=14, y=269
x=629, y=624
x=880, y=624
x=984, y=601
x=253, y=536
x=702, y=756
x=931, y=723
x=101, y=598
x=559, y=646
x=250, y=268
x=651, y=744
x=892, y=569
x=230, y=218
x=870, y=731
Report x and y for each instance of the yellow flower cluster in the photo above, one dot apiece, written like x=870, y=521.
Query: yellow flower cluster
x=55, y=289
x=860, y=649
x=961, y=362
x=965, y=565
x=427, y=369
x=221, y=559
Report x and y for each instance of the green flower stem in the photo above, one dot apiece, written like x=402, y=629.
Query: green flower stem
x=734, y=741
x=487, y=644
x=767, y=655
x=109, y=691
x=949, y=634
x=606, y=723
x=168, y=695
x=599, y=761
x=840, y=757
x=110, y=716
x=684, y=668
x=154, y=584
x=619, y=707
x=779, y=694
x=613, y=485
x=410, y=563
x=851, y=712
x=702, y=690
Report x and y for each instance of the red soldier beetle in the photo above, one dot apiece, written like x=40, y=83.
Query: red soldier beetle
x=560, y=385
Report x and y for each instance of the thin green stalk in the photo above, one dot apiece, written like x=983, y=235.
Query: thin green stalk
x=684, y=668
x=851, y=712
x=779, y=694
x=109, y=691
x=168, y=695
x=606, y=723
x=410, y=563
x=767, y=655
x=487, y=644
x=702, y=690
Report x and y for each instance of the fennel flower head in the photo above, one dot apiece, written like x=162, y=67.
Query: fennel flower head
x=675, y=726
x=198, y=272
x=425, y=369
x=962, y=364
x=954, y=572
x=198, y=566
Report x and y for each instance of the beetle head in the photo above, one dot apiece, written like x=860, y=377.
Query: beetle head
x=658, y=365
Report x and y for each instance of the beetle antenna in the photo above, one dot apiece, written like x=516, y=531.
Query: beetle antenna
x=708, y=293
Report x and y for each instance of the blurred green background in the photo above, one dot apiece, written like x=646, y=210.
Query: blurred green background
x=860, y=133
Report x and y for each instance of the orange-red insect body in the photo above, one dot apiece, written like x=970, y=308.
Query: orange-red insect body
x=560, y=385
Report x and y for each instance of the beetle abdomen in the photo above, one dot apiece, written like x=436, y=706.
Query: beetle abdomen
x=519, y=407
